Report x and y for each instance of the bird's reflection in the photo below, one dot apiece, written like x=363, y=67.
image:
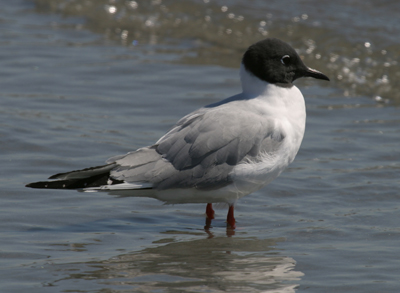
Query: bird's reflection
x=207, y=228
x=210, y=264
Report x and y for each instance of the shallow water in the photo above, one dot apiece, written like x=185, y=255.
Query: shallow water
x=75, y=91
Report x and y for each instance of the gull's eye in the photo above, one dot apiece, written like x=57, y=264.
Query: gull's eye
x=285, y=60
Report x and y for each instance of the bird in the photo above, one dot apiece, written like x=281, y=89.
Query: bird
x=222, y=151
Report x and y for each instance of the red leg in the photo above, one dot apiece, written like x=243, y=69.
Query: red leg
x=209, y=211
x=209, y=216
x=230, y=219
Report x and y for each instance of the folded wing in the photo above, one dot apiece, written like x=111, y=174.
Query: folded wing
x=201, y=150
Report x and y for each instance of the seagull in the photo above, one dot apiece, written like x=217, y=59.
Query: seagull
x=222, y=151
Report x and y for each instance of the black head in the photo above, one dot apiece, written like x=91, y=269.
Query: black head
x=275, y=61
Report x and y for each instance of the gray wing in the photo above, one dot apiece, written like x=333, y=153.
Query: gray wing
x=202, y=149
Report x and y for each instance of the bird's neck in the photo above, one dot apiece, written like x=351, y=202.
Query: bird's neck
x=252, y=86
x=279, y=99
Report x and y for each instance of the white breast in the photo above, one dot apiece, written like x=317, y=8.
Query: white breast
x=287, y=108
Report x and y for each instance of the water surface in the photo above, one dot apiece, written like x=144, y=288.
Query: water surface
x=83, y=81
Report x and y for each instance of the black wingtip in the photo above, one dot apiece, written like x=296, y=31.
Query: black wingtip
x=41, y=184
x=81, y=183
x=52, y=185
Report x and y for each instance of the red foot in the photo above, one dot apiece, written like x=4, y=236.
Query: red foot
x=230, y=219
x=209, y=211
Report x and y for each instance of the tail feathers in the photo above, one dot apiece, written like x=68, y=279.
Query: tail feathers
x=90, y=177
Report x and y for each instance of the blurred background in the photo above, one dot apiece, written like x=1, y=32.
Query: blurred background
x=354, y=42
x=84, y=80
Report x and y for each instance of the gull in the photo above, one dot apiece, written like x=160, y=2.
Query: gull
x=222, y=151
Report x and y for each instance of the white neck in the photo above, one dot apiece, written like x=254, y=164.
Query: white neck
x=282, y=102
x=252, y=86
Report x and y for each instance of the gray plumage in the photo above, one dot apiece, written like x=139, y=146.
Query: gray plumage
x=201, y=149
